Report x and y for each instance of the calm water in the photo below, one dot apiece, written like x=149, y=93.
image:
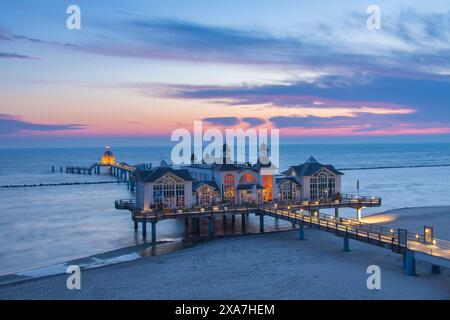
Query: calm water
x=45, y=225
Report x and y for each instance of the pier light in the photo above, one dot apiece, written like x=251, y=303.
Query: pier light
x=417, y=236
x=434, y=242
x=392, y=231
x=108, y=157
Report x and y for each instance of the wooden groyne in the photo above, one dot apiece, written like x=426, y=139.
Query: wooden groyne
x=58, y=184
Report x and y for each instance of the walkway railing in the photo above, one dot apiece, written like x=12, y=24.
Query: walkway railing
x=439, y=248
x=128, y=204
x=371, y=233
x=366, y=232
x=343, y=200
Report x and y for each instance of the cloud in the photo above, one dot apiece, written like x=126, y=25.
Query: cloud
x=409, y=43
x=11, y=124
x=222, y=121
x=254, y=121
x=311, y=122
x=7, y=55
x=234, y=121
x=428, y=96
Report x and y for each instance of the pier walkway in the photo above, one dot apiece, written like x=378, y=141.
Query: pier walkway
x=307, y=215
x=122, y=171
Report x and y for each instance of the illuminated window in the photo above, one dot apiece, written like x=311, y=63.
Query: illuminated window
x=322, y=186
x=205, y=195
x=169, y=192
x=267, y=185
x=286, y=191
x=229, y=189
x=247, y=179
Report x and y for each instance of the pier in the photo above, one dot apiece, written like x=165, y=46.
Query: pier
x=243, y=196
x=123, y=172
x=307, y=215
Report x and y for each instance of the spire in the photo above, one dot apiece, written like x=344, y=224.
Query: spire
x=226, y=154
x=193, y=158
x=311, y=160
x=263, y=154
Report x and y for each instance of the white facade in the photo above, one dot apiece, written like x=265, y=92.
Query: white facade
x=205, y=185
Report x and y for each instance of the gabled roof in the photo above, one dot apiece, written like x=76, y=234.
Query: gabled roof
x=248, y=168
x=227, y=167
x=158, y=172
x=199, y=184
x=283, y=179
x=311, y=167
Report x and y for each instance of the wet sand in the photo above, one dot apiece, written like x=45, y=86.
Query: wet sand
x=265, y=266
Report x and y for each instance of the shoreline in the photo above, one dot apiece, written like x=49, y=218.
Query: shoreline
x=120, y=260
x=116, y=256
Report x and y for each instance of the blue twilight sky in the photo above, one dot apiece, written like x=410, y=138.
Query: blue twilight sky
x=139, y=69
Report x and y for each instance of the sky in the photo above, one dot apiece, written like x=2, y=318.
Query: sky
x=137, y=70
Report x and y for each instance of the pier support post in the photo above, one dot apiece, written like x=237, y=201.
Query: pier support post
x=186, y=221
x=261, y=223
x=224, y=219
x=435, y=269
x=211, y=227
x=136, y=225
x=336, y=213
x=301, y=232
x=153, y=231
x=144, y=228
x=346, y=245
x=243, y=221
x=410, y=263
x=195, y=225
x=358, y=214
x=233, y=219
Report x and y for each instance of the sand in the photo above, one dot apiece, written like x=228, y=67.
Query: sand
x=265, y=266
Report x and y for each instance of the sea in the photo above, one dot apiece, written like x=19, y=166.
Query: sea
x=45, y=225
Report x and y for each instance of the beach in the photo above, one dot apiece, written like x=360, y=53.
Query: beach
x=263, y=266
